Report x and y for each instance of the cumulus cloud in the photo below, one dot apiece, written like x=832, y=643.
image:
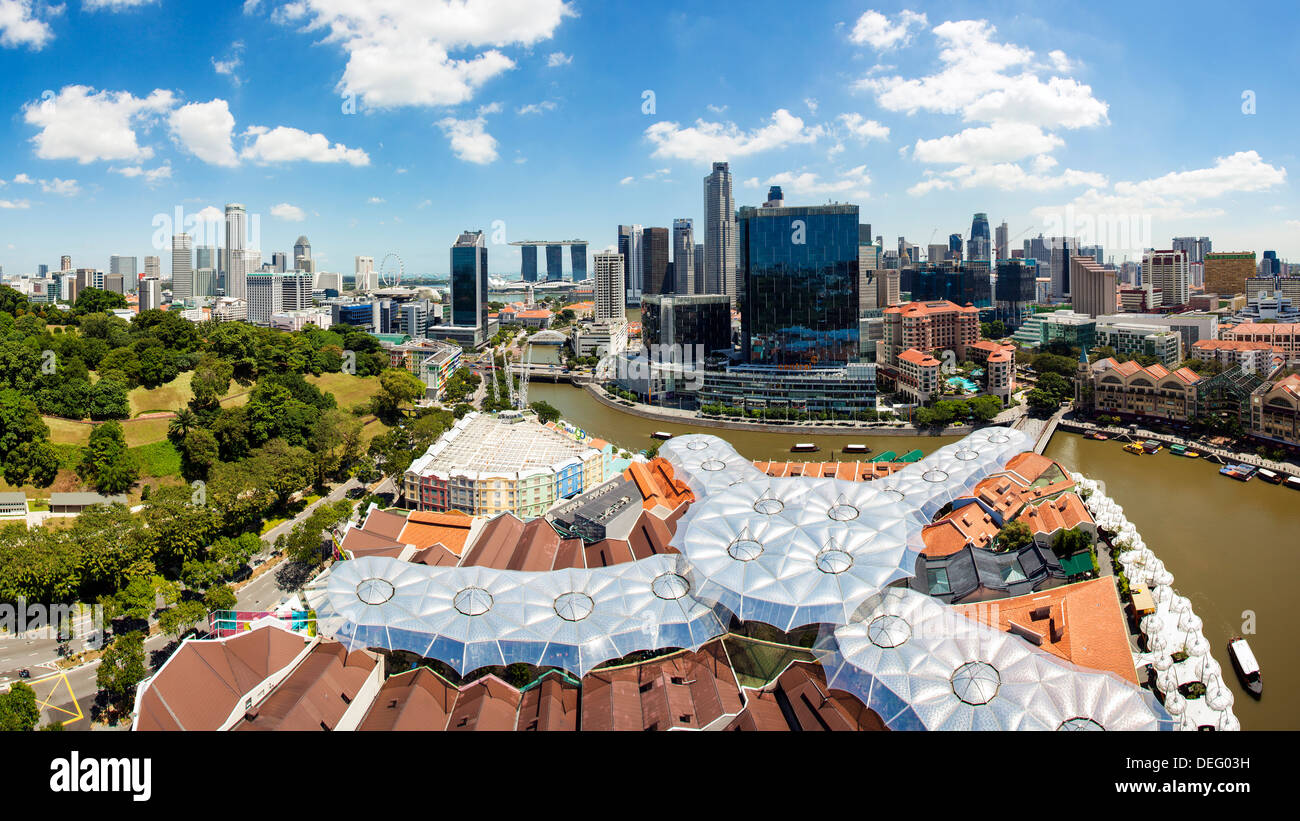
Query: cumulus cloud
x=536, y=108
x=627, y=181
x=85, y=125
x=853, y=182
x=151, y=176
x=988, y=144
x=64, y=188
x=708, y=141
x=287, y=212
x=557, y=59
x=20, y=25
x=876, y=30
x=229, y=66
x=1005, y=177
x=285, y=144
x=206, y=131
x=115, y=5
x=863, y=128
x=14, y=204
x=424, y=52
x=469, y=139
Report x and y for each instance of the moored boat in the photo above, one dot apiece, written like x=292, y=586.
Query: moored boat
x=1178, y=450
x=1292, y=482
x=1269, y=476
x=1242, y=473
x=1133, y=447
x=1097, y=435
x=660, y=434
x=1151, y=446
x=1192, y=454
x=803, y=447
x=1243, y=661
x=856, y=449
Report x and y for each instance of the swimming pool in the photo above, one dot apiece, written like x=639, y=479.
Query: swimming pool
x=964, y=383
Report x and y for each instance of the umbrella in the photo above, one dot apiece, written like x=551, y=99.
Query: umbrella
x=1152, y=624
x=1157, y=642
x=1161, y=593
x=1190, y=622
x=1180, y=604
x=1198, y=646
x=1163, y=661
x=1167, y=681
x=1175, y=704
x=1220, y=697
x=1228, y=723
x=1164, y=577
x=1208, y=669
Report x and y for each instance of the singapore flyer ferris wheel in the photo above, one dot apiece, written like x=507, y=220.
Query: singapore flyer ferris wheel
x=391, y=270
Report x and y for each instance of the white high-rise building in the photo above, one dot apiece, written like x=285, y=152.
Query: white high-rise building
x=1167, y=272
x=182, y=268
x=236, y=232
x=610, y=291
x=631, y=246
x=265, y=296
x=684, y=257
x=366, y=277
x=720, y=233
x=150, y=293
x=328, y=281
x=297, y=291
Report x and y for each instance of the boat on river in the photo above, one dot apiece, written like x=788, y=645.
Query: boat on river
x=1269, y=476
x=856, y=449
x=662, y=434
x=804, y=447
x=1242, y=473
x=1243, y=661
x=1133, y=447
x=1097, y=435
x=1292, y=482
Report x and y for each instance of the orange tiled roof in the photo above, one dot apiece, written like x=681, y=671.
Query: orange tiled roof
x=917, y=358
x=657, y=485
x=427, y=528
x=932, y=307
x=849, y=471
x=1090, y=624
x=1062, y=513
x=967, y=525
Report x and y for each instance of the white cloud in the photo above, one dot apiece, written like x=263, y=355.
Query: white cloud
x=205, y=130
x=115, y=5
x=863, y=128
x=1180, y=194
x=853, y=182
x=285, y=144
x=287, y=212
x=376, y=201
x=20, y=27
x=1060, y=62
x=716, y=109
x=874, y=29
x=752, y=182
x=82, y=124
x=557, y=59
x=987, y=144
x=231, y=64
x=469, y=139
x=64, y=188
x=400, y=52
x=705, y=141
x=1292, y=224
x=23, y=179
x=627, y=181
x=811, y=102
x=14, y=204
x=536, y=108
x=151, y=176
x=424, y=203
x=976, y=83
x=1005, y=176
x=210, y=214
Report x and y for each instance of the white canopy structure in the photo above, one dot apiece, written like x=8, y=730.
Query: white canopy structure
x=922, y=665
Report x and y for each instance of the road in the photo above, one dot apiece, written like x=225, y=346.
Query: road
x=64, y=696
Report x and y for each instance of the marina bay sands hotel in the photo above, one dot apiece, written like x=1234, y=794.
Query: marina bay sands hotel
x=554, y=259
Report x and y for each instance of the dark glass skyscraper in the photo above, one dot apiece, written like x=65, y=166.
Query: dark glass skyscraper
x=654, y=250
x=469, y=281
x=979, y=247
x=687, y=321
x=554, y=263
x=1015, y=291
x=954, y=246
x=964, y=284
x=798, y=269
x=578, y=262
x=528, y=262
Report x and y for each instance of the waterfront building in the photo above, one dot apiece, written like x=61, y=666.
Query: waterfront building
x=578, y=261
x=528, y=263
x=1132, y=339
x=486, y=465
x=600, y=339
x=840, y=390
x=1192, y=326
x=1155, y=391
x=916, y=375
x=1226, y=272
x=1075, y=329
x=929, y=327
x=721, y=235
x=999, y=363
x=1275, y=411
x=798, y=270
x=554, y=263
x=1094, y=287
x=655, y=244
x=686, y=322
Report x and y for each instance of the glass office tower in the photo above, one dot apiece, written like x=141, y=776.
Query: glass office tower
x=528, y=253
x=469, y=281
x=578, y=261
x=967, y=284
x=798, y=272
x=687, y=321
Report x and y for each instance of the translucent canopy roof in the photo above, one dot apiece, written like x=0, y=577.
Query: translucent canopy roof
x=921, y=664
x=471, y=617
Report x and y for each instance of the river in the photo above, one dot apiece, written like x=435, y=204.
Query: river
x=1219, y=537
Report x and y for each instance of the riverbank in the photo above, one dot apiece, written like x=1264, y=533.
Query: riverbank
x=1225, y=455
x=833, y=428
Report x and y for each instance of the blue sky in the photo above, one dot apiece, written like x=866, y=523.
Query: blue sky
x=533, y=113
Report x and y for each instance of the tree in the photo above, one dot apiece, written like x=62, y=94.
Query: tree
x=1052, y=363
x=199, y=452
x=18, y=710
x=25, y=451
x=1057, y=385
x=1014, y=535
x=220, y=597
x=181, y=424
x=1069, y=542
x=106, y=463
x=397, y=387
x=96, y=300
x=545, y=411
x=176, y=620
x=122, y=667
x=1041, y=400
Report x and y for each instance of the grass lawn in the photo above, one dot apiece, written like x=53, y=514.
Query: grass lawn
x=175, y=394
x=270, y=523
x=67, y=432
x=157, y=459
x=349, y=391
x=371, y=427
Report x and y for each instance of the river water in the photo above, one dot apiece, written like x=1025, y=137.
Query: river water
x=1219, y=537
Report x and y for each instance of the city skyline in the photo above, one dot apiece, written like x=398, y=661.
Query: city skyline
x=921, y=120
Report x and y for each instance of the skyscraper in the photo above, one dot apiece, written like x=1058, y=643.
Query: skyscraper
x=205, y=256
x=684, y=256
x=469, y=280
x=123, y=266
x=153, y=267
x=578, y=261
x=979, y=246
x=182, y=268
x=554, y=263
x=720, y=233
x=654, y=254
x=236, y=233
x=610, y=291
x=150, y=293
x=1226, y=272
x=775, y=198
x=1196, y=248
x=280, y=261
x=1014, y=292
x=1167, y=272
x=301, y=250
x=1059, y=250
x=1003, y=241
x=1093, y=288
x=528, y=263
x=365, y=277
x=630, y=246
x=801, y=298
x=65, y=263
x=699, y=269
x=954, y=246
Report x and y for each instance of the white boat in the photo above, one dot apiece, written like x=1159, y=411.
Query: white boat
x=803, y=447
x=1243, y=660
x=661, y=434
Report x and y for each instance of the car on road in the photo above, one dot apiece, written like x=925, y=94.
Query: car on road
x=24, y=673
